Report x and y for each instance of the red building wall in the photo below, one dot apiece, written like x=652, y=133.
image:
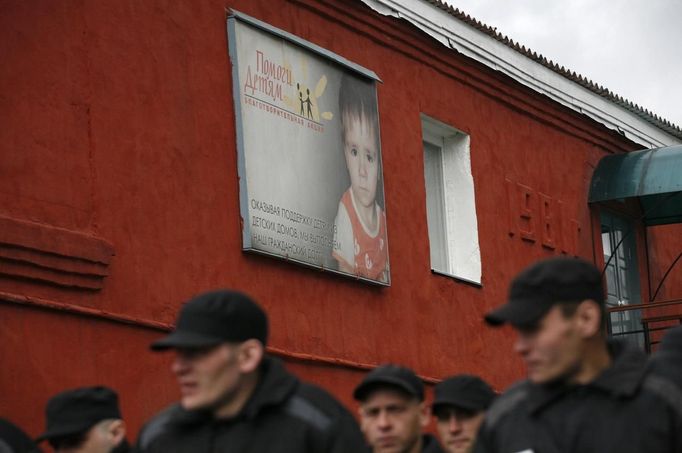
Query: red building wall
x=118, y=155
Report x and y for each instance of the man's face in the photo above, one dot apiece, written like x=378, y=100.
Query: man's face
x=362, y=158
x=551, y=348
x=457, y=428
x=392, y=421
x=208, y=377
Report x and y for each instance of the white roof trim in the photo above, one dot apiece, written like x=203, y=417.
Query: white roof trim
x=485, y=49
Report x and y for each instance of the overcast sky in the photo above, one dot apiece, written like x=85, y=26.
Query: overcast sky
x=632, y=47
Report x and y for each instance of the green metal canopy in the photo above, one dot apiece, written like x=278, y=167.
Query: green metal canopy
x=654, y=176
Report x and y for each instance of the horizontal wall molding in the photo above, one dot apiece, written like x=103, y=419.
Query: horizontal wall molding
x=45, y=304
x=51, y=255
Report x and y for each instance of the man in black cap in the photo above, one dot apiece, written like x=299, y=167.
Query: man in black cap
x=459, y=405
x=235, y=398
x=85, y=420
x=393, y=412
x=583, y=393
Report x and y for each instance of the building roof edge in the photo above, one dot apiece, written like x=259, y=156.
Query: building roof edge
x=472, y=38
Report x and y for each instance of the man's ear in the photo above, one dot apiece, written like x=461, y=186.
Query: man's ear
x=588, y=316
x=362, y=419
x=251, y=354
x=424, y=414
x=116, y=431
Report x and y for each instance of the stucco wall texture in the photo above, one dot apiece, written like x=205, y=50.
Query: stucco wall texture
x=117, y=124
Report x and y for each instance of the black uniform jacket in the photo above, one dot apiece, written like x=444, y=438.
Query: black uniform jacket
x=667, y=360
x=431, y=445
x=284, y=415
x=624, y=410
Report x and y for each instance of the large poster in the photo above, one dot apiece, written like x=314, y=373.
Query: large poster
x=311, y=187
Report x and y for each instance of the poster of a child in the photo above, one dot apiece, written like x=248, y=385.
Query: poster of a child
x=360, y=241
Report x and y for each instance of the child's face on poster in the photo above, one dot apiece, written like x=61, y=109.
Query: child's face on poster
x=362, y=158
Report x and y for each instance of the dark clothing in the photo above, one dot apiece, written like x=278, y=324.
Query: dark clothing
x=431, y=445
x=625, y=409
x=14, y=440
x=283, y=415
x=667, y=360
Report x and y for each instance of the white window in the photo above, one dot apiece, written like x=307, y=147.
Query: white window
x=450, y=202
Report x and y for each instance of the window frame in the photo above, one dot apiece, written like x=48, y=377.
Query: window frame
x=456, y=190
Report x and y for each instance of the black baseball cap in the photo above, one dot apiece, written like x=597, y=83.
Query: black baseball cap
x=463, y=391
x=76, y=411
x=216, y=317
x=547, y=282
x=390, y=375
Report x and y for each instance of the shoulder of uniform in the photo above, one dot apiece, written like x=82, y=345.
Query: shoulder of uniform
x=5, y=448
x=314, y=406
x=507, y=402
x=156, y=426
x=664, y=389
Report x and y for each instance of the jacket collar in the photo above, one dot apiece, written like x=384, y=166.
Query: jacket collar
x=430, y=444
x=621, y=379
x=274, y=388
x=625, y=375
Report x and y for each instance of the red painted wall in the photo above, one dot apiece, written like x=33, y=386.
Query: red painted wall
x=118, y=151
